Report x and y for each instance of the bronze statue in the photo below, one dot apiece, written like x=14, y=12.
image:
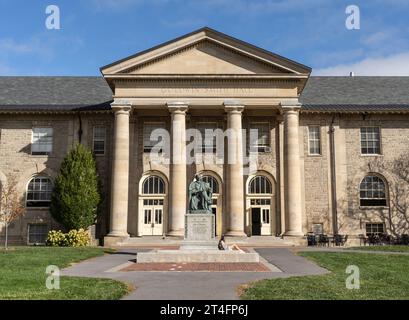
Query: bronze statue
x=200, y=195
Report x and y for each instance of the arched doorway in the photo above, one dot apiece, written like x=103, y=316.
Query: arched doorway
x=260, y=205
x=217, y=204
x=152, y=205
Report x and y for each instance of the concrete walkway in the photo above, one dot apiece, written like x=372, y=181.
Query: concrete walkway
x=162, y=285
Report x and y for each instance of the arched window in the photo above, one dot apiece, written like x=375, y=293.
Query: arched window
x=372, y=192
x=212, y=182
x=153, y=185
x=260, y=185
x=39, y=191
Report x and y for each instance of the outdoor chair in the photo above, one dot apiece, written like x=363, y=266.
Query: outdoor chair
x=323, y=240
x=362, y=239
x=404, y=239
x=311, y=240
x=337, y=240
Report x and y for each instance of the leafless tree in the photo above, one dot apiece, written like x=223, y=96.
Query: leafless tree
x=11, y=205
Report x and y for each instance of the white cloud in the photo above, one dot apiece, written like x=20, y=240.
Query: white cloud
x=393, y=65
x=10, y=45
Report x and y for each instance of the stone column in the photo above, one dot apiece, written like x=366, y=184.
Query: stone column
x=120, y=171
x=234, y=181
x=178, y=189
x=292, y=171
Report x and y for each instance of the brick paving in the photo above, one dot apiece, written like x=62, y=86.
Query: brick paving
x=210, y=267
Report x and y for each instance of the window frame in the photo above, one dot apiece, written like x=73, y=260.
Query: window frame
x=215, y=183
x=146, y=180
x=386, y=189
x=258, y=148
x=29, y=225
x=99, y=140
x=41, y=153
x=27, y=192
x=260, y=193
x=372, y=224
x=159, y=125
x=380, y=142
x=203, y=149
x=319, y=141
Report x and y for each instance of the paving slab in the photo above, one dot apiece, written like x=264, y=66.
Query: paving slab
x=187, y=285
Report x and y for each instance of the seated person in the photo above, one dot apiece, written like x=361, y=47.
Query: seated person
x=223, y=246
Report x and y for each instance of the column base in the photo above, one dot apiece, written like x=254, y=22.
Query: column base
x=176, y=233
x=296, y=238
x=234, y=233
x=294, y=233
x=110, y=240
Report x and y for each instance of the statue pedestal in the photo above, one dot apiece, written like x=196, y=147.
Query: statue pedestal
x=199, y=232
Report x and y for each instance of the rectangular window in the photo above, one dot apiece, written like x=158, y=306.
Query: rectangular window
x=37, y=233
x=98, y=144
x=317, y=228
x=42, y=141
x=260, y=137
x=266, y=215
x=149, y=141
x=374, y=228
x=206, y=139
x=370, y=140
x=314, y=140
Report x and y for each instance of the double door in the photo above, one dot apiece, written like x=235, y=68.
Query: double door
x=153, y=217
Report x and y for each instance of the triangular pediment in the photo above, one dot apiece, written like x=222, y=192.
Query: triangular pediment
x=205, y=52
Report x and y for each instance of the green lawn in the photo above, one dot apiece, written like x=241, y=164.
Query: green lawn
x=22, y=275
x=381, y=277
x=382, y=248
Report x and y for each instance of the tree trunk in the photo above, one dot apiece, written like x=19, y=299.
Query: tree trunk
x=5, y=242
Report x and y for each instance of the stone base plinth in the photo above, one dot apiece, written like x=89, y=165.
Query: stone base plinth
x=199, y=232
x=110, y=241
x=202, y=256
x=199, y=245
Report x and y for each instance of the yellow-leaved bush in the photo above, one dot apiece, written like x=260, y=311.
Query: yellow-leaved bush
x=74, y=238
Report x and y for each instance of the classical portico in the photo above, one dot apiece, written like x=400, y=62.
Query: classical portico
x=208, y=78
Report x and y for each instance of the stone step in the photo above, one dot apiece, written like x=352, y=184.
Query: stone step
x=196, y=256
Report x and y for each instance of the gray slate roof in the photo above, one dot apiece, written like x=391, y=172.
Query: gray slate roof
x=356, y=94
x=54, y=93
x=340, y=94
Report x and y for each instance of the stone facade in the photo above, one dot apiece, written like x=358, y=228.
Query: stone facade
x=209, y=78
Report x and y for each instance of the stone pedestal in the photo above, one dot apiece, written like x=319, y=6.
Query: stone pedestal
x=199, y=232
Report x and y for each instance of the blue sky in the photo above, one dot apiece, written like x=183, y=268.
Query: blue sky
x=97, y=32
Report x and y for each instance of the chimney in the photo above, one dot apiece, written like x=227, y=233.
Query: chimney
x=351, y=74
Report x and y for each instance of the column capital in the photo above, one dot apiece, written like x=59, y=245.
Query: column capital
x=177, y=107
x=233, y=106
x=121, y=106
x=290, y=106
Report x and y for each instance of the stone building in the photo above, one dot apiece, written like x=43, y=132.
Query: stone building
x=316, y=164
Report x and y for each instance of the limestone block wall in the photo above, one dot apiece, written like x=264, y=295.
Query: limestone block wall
x=16, y=159
x=394, y=143
x=316, y=175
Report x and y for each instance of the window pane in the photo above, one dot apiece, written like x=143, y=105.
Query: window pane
x=259, y=137
x=42, y=140
x=99, y=140
x=37, y=233
x=153, y=185
x=148, y=140
x=39, y=192
x=372, y=192
x=260, y=184
x=370, y=140
x=314, y=140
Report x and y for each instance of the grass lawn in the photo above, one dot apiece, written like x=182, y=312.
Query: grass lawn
x=382, y=248
x=22, y=275
x=381, y=277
